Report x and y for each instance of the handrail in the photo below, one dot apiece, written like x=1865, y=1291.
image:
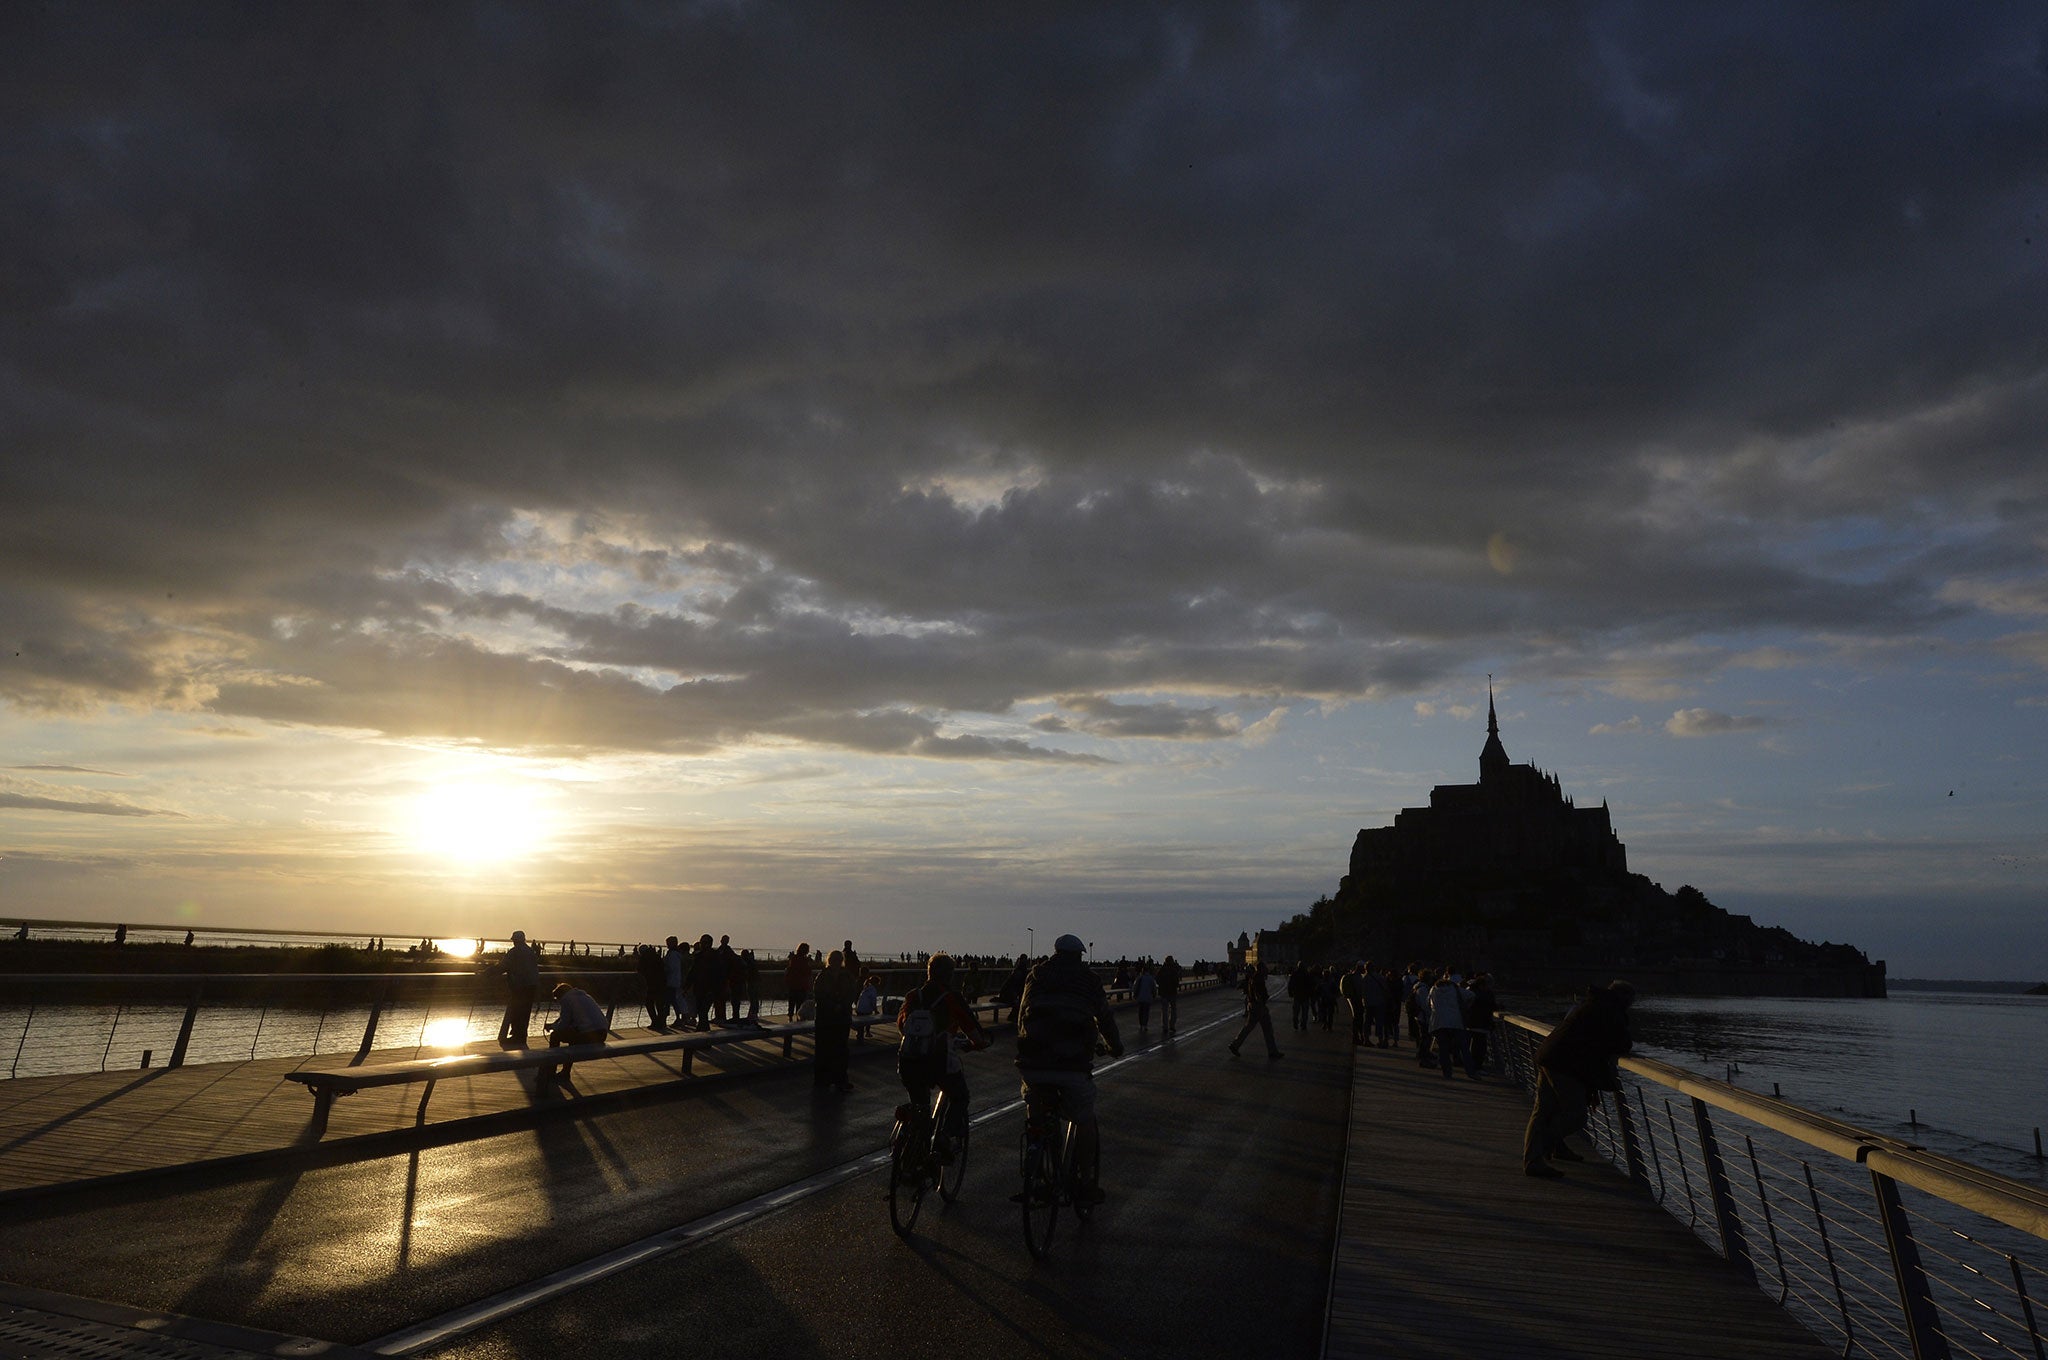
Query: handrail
x=257, y=977
x=1935, y=1255
x=2011, y=1202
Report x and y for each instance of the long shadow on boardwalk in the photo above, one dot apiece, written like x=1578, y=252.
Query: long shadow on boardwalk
x=1446, y=1249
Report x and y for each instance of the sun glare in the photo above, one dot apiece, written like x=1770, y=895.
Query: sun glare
x=448, y=1033
x=477, y=823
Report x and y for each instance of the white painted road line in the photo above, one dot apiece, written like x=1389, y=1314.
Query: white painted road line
x=434, y=1331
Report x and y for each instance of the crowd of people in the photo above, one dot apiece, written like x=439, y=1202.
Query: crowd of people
x=1446, y=1014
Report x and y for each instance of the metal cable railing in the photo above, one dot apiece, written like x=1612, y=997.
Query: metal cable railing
x=235, y=1018
x=1875, y=1245
x=129, y=1022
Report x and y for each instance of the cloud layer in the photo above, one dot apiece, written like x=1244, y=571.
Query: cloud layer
x=680, y=380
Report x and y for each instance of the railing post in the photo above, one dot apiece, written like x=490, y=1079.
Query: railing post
x=1923, y=1327
x=28, y=1020
x=1630, y=1146
x=185, y=1029
x=370, y=1029
x=1733, y=1245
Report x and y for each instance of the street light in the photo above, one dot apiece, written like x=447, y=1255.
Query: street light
x=1032, y=939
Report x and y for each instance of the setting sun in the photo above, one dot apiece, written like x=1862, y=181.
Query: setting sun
x=477, y=823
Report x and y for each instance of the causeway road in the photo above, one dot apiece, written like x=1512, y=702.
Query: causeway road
x=1224, y=1176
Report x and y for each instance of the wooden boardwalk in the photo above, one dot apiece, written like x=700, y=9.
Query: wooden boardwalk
x=59, y=1129
x=1444, y=1247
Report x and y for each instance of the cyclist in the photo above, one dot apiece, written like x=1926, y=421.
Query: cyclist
x=1062, y=1010
x=925, y=1058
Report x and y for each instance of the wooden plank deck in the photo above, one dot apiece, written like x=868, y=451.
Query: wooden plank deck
x=1444, y=1247
x=59, y=1129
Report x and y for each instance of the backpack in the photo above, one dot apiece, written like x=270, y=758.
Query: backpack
x=924, y=1039
x=1056, y=1027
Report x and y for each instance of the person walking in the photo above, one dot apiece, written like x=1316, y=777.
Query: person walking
x=1352, y=988
x=653, y=986
x=1257, y=1014
x=836, y=990
x=1573, y=1066
x=1170, y=974
x=1415, y=992
x=1144, y=990
x=1446, y=1004
x=1481, y=1006
x=522, y=989
x=1013, y=986
x=1301, y=990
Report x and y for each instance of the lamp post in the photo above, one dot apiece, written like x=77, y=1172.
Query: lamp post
x=1031, y=938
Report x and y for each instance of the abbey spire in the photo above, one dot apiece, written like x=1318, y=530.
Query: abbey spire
x=1493, y=757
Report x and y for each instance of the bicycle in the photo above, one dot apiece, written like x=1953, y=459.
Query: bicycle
x=924, y=1153
x=1049, y=1156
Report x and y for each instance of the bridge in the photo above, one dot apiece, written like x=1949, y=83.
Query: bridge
x=1337, y=1202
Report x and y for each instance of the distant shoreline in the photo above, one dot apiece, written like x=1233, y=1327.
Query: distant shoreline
x=1963, y=985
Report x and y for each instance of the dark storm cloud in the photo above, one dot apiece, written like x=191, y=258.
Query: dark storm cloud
x=1277, y=351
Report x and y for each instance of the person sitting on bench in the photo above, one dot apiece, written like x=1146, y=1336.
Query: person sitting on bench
x=578, y=1020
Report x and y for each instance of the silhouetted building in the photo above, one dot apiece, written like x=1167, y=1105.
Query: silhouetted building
x=1510, y=875
x=1513, y=831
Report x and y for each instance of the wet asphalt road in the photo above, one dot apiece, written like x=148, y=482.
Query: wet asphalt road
x=1223, y=1174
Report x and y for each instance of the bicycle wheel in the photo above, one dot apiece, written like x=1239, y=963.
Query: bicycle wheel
x=950, y=1173
x=906, y=1179
x=1041, y=1197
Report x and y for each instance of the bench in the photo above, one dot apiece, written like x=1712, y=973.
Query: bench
x=328, y=1083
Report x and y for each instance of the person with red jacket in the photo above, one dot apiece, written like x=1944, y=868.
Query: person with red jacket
x=796, y=978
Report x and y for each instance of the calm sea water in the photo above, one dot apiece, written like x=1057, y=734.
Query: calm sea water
x=1971, y=1066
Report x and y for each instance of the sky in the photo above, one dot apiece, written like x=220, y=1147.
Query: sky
x=950, y=475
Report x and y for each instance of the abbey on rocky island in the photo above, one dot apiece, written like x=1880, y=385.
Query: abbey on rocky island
x=1510, y=876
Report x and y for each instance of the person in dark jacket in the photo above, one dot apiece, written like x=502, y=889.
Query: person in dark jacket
x=1170, y=974
x=834, y=997
x=522, y=989
x=1013, y=987
x=1062, y=1013
x=725, y=979
x=1480, y=1010
x=654, y=984
x=1573, y=1066
x=1257, y=1014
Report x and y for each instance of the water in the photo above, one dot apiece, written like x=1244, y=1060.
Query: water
x=66, y=1038
x=1970, y=1064
x=95, y=932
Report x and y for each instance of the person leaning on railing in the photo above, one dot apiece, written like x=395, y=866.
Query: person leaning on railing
x=1573, y=1066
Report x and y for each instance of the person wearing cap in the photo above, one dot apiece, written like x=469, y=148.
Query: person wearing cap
x=522, y=989
x=1573, y=1066
x=578, y=1020
x=1060, y=1014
